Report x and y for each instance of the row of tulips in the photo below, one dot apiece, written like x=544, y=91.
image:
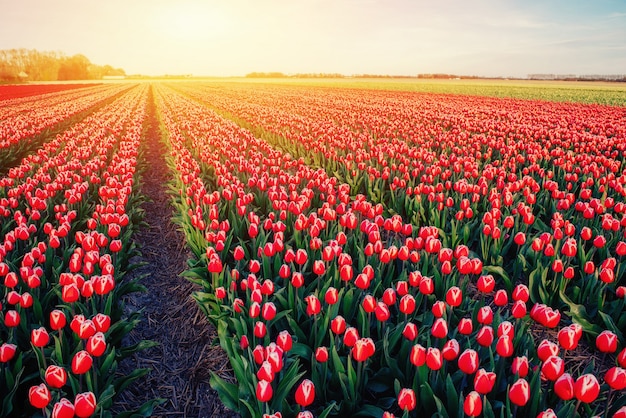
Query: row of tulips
x=26, y=121
x=17, y=91
x=66, y=216
x=329, y=304
x=536, y=188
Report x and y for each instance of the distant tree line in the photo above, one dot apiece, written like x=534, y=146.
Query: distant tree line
x=32, y=65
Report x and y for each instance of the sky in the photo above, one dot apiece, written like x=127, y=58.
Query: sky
x=507, y=38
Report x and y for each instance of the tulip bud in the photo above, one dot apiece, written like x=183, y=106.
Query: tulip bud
x=407, y=400
x=473, y=404
x=305, y=393
x=39, y=396
x=519, y=392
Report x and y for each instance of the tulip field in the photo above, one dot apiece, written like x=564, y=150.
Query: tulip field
x=360, y=252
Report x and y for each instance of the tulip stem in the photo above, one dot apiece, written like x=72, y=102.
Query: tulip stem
x=608, y=401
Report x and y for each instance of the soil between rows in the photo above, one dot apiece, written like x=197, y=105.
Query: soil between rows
x=184, y=356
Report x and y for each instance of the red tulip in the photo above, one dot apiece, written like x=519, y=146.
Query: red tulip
x=96, y=344
x=468, y=361
x=407, y=304
x=434, y=360
x=520, y=238
x=418, y=355
x=63, y=409
x=615, y=377
x=321, y=354
x=438, y=309
x=546, y=349
x=363, y=349
x=39, y=337
x=587, y=388
x=450, y=350
x=264, y=391
x=473, y=404
x=564, y=387
x=485, y=315
x=454, y=296
x=56, y=376
x=39, y=396
x=350, y=337
x=485, y=336
x=410, y=331
x=504, y=346
x=81, y=362
x=486, y=283
x=484, y=381
x=7, y=352
x=338, y=325
x=606, y=342
x=465, y=326
x=407, y=400
x=313, y=305
x=439, y=328
x=519, y=392
x=382, y=312
x=11, y=318
x=520, y=366
x=548, y=413
x=305, y=393
x=553, y=367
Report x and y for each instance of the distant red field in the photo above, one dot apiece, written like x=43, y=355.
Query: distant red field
x=14, y=91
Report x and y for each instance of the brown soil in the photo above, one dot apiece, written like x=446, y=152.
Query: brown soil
x=185, y=355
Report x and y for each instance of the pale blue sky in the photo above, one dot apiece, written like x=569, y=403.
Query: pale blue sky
x=234, y=37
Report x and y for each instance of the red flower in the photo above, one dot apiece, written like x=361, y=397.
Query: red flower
x=473, y=404
x=606, y=342
x=338, y=325
x=520, y=366
x=264, y=391
x=519, y=392
x=96, y=344
x=313, y=305
x=454, y=296
x=305, y=393
x=81, y=362
x=615, y=377
x=484, y=381
x=39, y=396
x=363, y=349
x=564, y=387
x=407, y=400
x=407, y=304
x=553, y=367
x=7, y=352
x=418, y=355
x=504, y=346
x=439, y=328
x=56, y=376
x=410, y=331
x=321, y=354
x=465, y=326
x=587, y=388
x=63, y=409
x=434, y=360
x=39, y=337
x=450, y=350
x=468, y=361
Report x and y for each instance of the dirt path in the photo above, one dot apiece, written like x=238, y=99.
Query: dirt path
x=181, y=362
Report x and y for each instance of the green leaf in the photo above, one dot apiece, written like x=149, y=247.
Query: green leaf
x=228, y=392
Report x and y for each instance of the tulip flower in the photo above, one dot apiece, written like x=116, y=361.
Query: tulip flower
x=606, y=342
x=450, y=350
x=587, y=388
x=305, y=393
x=81, y=362
x=63, y=409
x=264, y=391
x=55, y=376
x=473, y=404
x=615, y=377
x=468, y=361
x=407, y=400
x=39, y=396
x=519, y=392
x=7, y=352
x=520, y=366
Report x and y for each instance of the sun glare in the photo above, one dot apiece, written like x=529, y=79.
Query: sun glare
x=191, y=22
